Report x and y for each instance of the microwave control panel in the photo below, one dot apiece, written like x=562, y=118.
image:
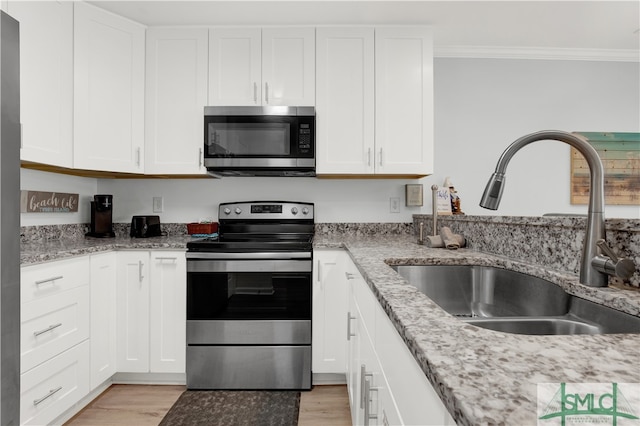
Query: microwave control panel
x=304, y=138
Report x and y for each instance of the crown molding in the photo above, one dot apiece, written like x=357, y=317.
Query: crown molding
x=547, y=53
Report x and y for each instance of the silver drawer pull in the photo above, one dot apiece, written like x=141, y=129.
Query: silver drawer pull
x=166, y=258
x=51, y=327
x=51, y=393
x=59, y=277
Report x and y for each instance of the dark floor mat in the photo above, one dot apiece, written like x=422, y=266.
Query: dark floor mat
x=234, y=408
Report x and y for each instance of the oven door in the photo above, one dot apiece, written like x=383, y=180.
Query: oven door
x=249, y=302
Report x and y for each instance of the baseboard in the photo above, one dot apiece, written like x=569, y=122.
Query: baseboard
x=149, y=378
x=329, y=379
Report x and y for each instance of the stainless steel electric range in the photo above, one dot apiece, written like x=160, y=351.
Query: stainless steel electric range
x=249, y=299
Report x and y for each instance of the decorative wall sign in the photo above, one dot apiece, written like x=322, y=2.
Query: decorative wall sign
x=48, y=202
x=443, y=201
x=620, y=155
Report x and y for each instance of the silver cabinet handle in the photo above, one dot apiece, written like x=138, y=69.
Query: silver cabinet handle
x=369, y=157
x=349, y=333
x=363, y=382
x=266, y=92
x=200, y=157
x=140, y=266
x=381, y=156
x=59, y=277
x=166, y=258
x=255, y=92
x=367, y=404
x=138, y=156
x=51, y=327
x=51, y=393
x=320, y=273
x=350, y=276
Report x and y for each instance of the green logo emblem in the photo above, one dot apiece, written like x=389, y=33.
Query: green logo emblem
x=601, y=404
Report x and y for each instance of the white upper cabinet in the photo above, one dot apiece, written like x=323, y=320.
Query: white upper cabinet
x=235, y=76
x=375, y=101
x=176, y=94
x=345, y=100
x=46, y=81
x=253, y=66
x=404, y=101
x=108, y=91
x=288, y=66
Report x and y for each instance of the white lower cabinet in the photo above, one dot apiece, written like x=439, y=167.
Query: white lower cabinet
x=151, y=307
x=52, y=387
x=132, y=311
x=385, y=383
x=103, y=317
x=167, y=312
x=54, y=338
x=329, y=346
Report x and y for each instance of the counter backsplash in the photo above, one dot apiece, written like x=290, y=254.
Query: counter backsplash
x=555, y=242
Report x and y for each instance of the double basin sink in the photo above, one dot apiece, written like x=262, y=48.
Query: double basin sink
x=513, y=302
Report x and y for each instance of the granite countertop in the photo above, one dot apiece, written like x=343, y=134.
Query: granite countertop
x=482, y=376
x=47, y=250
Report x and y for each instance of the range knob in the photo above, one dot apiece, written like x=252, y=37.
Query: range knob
x=294, y=210
x=238, y=210
x=305, y=211
x=227, y=210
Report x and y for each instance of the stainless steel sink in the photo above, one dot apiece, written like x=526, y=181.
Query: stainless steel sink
x=513, y=302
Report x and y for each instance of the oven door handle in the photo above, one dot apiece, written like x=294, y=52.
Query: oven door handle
x=248, y=256
x=213, y=266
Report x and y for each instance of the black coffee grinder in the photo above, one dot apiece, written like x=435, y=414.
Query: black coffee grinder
x=101, y=217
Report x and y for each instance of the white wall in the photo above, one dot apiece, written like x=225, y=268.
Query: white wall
x=193, y=199
x=481, y=106
x=33, y=180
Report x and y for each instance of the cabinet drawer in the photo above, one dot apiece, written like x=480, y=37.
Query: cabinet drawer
x=43, y=280
x=54, y=386
x=53, y=324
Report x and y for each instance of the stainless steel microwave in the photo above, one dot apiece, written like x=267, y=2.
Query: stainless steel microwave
x=259, y=141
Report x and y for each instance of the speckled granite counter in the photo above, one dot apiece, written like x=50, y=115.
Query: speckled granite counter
x=483, y=376
x=47, y=250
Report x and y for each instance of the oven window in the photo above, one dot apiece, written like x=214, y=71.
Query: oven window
x=249, y=139
x=248, y=295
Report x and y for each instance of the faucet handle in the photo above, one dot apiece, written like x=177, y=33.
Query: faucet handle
x=621, y=267
x=602, y=244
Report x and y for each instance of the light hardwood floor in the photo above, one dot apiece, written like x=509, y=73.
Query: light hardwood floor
x=145, y=405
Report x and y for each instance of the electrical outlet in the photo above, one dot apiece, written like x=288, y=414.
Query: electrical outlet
x=394, y=205
x=158, y=204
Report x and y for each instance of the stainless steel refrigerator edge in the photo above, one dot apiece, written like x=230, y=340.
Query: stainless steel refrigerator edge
x=9, y=221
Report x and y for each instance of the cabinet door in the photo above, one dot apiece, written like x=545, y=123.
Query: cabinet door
x=407, y=382
x=108, y=91
x=354, y=336
x=168, y=308
x=404, y=101
x=103, y=317
x=132, y=310
x=235, y=66
x=288, y=66
x=345, y=100
x=46, y=81
x=176, y=94
x=329, y=311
